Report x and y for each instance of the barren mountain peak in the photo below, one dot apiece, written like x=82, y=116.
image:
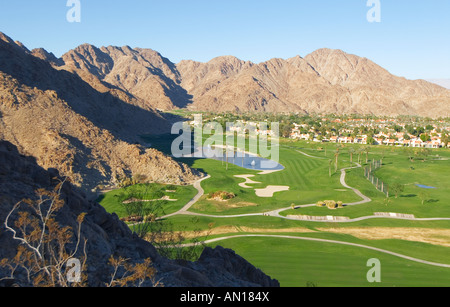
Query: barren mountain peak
x=5, y=38
x=15, y=44
x=225, y=59
x=326, y=80
x=43, y=54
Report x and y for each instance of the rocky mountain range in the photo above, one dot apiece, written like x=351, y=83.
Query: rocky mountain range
x=56, y=124
x=325, y=81
x=88, y=131
x=83, y=113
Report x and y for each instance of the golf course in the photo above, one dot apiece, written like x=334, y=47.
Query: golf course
x=319, y=220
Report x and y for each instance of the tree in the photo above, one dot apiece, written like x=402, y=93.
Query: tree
x=424, y=137
x=445, y=139
x=43, y=252
x=370, y=140
x=286, y=129
x=424, y=153
x=387, y=201
x=131, y=275
x=397, y=188
x=367, y=150
x=351, y=151
x=336, y=160
x=424, y=196
x=52, y=255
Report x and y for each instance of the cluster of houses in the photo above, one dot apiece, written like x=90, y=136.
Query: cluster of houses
x=256, y=128
x=346, y=133
x=399, y=139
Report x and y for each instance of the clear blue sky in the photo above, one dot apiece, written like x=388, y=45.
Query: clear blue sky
x=412, y=39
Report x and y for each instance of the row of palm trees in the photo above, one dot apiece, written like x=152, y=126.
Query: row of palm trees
x=352, y=151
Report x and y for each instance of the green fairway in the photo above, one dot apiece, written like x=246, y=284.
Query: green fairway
x=113, y=201
x=299, y=263
x=311, y=177
x=397, y=168
x=307, y=178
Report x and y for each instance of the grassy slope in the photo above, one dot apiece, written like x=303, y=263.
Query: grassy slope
x=307, y=178
x=295, y=263
x=110, y=201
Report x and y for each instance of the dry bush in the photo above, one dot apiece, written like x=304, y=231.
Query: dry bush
x=43, y=253
x=46, y=249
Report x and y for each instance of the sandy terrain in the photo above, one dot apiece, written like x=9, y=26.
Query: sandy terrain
x=425, y=235
x=247, y=181
x=270, y=190
x=266, y=192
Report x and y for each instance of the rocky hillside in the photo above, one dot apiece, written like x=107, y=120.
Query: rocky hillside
x=152, y=79
x=325, y=81
x=441, y=82
x=107, y=236
x=88, y=131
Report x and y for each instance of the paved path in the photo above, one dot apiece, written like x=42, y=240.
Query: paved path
x=276, y=213
x=200, y=193
x=315, y=157
x=327, y=241
x=365, y=199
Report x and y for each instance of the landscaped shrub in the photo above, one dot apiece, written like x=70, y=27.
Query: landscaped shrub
x=330, y=204
x=320, y=204
x=221, y=195
x=171, y=187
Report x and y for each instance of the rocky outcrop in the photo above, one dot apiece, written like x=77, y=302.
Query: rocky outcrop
x=149, y=77
x=88, y=135
x=106, y=235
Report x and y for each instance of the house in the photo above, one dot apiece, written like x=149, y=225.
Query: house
x=406, y=143
x=389, y=142
x=334, y=139
x=416, y=143
x=378, y=141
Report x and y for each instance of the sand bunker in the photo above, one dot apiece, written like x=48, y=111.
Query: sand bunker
x=135, y=200
x=247, y=181
x=270, y=190
x=266, y=192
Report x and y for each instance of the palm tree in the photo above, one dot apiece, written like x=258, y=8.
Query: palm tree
x=336, y=156
x=367, y=150
x=351, y=151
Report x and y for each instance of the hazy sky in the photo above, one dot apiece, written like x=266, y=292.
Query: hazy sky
x=412, y=39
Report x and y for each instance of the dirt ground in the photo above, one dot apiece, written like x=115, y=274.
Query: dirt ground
x=426, y=235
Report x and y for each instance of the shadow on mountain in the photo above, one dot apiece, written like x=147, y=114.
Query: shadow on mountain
x=125, y=121
x=177, y=94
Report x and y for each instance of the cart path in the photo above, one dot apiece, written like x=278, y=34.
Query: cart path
x=326, y=241
x=276, y=213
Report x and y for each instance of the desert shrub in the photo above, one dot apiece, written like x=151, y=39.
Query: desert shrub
x=171, y=187
x=221, y=195
x=331, y=204
x=320, y=204
x=46, y=248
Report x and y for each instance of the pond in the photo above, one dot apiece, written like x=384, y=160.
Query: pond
x=424, y=186
x=242, y=159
